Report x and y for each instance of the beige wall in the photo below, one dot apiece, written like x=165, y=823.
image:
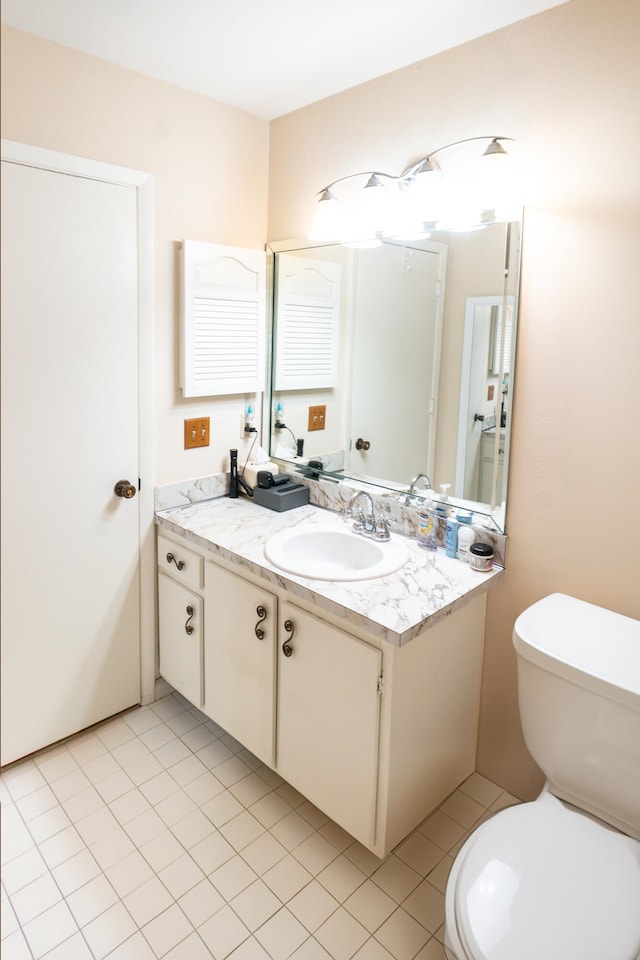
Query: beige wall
x=566, y=84
x=209, y=164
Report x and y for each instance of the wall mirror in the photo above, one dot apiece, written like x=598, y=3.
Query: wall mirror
x=394, y=359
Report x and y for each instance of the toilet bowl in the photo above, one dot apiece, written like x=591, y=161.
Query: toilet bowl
x=544, y=880
x=559, y=878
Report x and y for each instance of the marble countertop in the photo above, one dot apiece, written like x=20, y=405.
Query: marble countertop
x=394, y=608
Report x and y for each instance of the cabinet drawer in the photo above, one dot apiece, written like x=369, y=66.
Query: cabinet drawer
x=180, y=563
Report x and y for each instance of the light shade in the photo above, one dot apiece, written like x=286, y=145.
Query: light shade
x=328, y=217
x=495, y=183
x=425, y=190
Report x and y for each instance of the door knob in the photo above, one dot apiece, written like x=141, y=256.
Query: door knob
x=362, y=444
x=124, y=489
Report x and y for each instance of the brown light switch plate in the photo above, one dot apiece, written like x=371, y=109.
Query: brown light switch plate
x=317, y=417
x=196, y=433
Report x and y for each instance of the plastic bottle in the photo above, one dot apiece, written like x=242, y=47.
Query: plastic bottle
x=427, y=531
x=466, y=536
x=451, y=543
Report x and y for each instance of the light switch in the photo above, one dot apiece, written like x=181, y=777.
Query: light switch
x=317, y=416
x=196, y=433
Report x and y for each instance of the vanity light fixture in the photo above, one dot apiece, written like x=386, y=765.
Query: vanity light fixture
x=421, y=197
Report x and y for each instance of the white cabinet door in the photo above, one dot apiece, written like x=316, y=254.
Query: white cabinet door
x=329, y=719
x=240, y=659
x=70, y=547
x=180, y=629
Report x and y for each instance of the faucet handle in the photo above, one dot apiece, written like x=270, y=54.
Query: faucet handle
x=381, y=531
x=359, y=521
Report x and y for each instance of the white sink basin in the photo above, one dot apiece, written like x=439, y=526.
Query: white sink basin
x=334, y=553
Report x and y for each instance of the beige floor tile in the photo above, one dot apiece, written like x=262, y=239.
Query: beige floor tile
x=286, y=878
x=402, y=935
x=396, y=878
x=281, y=934
x=167, y=930
x=442, y=830
x=426, y=905
x=223, y=932
x=480, y=789
x=201, y=902
x=256, y=904
x=341, y=878
x=315, y=853
x=370, y=905
x=341, y=935
x=313, y=905
x=420, y=853
x=157, y=857
x=232, y=877
x=462, y=809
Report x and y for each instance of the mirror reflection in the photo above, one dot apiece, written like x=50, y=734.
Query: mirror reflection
x=396, y=359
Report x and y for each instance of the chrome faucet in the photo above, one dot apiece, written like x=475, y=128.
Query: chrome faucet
x=412, y=494
x=367, y=523
x=363, y=522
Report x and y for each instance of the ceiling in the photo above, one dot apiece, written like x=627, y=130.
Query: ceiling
x=266, y=58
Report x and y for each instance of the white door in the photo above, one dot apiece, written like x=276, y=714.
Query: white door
x=398, y=326
x=70, y=547
x=477, y=401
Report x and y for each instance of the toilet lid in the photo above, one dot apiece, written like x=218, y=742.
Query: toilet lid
x=542, y=880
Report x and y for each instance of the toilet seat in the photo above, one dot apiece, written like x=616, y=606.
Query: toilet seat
x=543, y=880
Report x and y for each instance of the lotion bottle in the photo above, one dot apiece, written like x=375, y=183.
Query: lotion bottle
x=451, y=542
x=427, y=538
x=466, y=536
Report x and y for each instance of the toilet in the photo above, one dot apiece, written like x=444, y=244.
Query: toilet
x=559, y=878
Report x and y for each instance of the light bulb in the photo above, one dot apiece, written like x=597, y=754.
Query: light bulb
x=495, y=182
x=327, y=223
x=426, y=191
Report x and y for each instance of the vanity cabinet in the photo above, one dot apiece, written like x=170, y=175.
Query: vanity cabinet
x=374, y=734
x=329, y=692
x=240, y=659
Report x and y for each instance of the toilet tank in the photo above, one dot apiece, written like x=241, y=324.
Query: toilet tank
x=579, y=696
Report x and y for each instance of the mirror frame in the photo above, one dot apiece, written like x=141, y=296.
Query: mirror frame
x=495, y=510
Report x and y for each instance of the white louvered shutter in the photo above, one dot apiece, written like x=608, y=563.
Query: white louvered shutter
x=308, y=312
x=223, y=319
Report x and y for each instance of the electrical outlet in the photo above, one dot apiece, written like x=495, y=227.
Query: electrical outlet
x=196, y=433
x=317, y=417
x=247, y=420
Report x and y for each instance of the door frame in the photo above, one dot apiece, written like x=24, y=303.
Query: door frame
x=31, y=156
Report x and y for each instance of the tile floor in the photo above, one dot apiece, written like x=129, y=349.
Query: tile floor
x=158, y=835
